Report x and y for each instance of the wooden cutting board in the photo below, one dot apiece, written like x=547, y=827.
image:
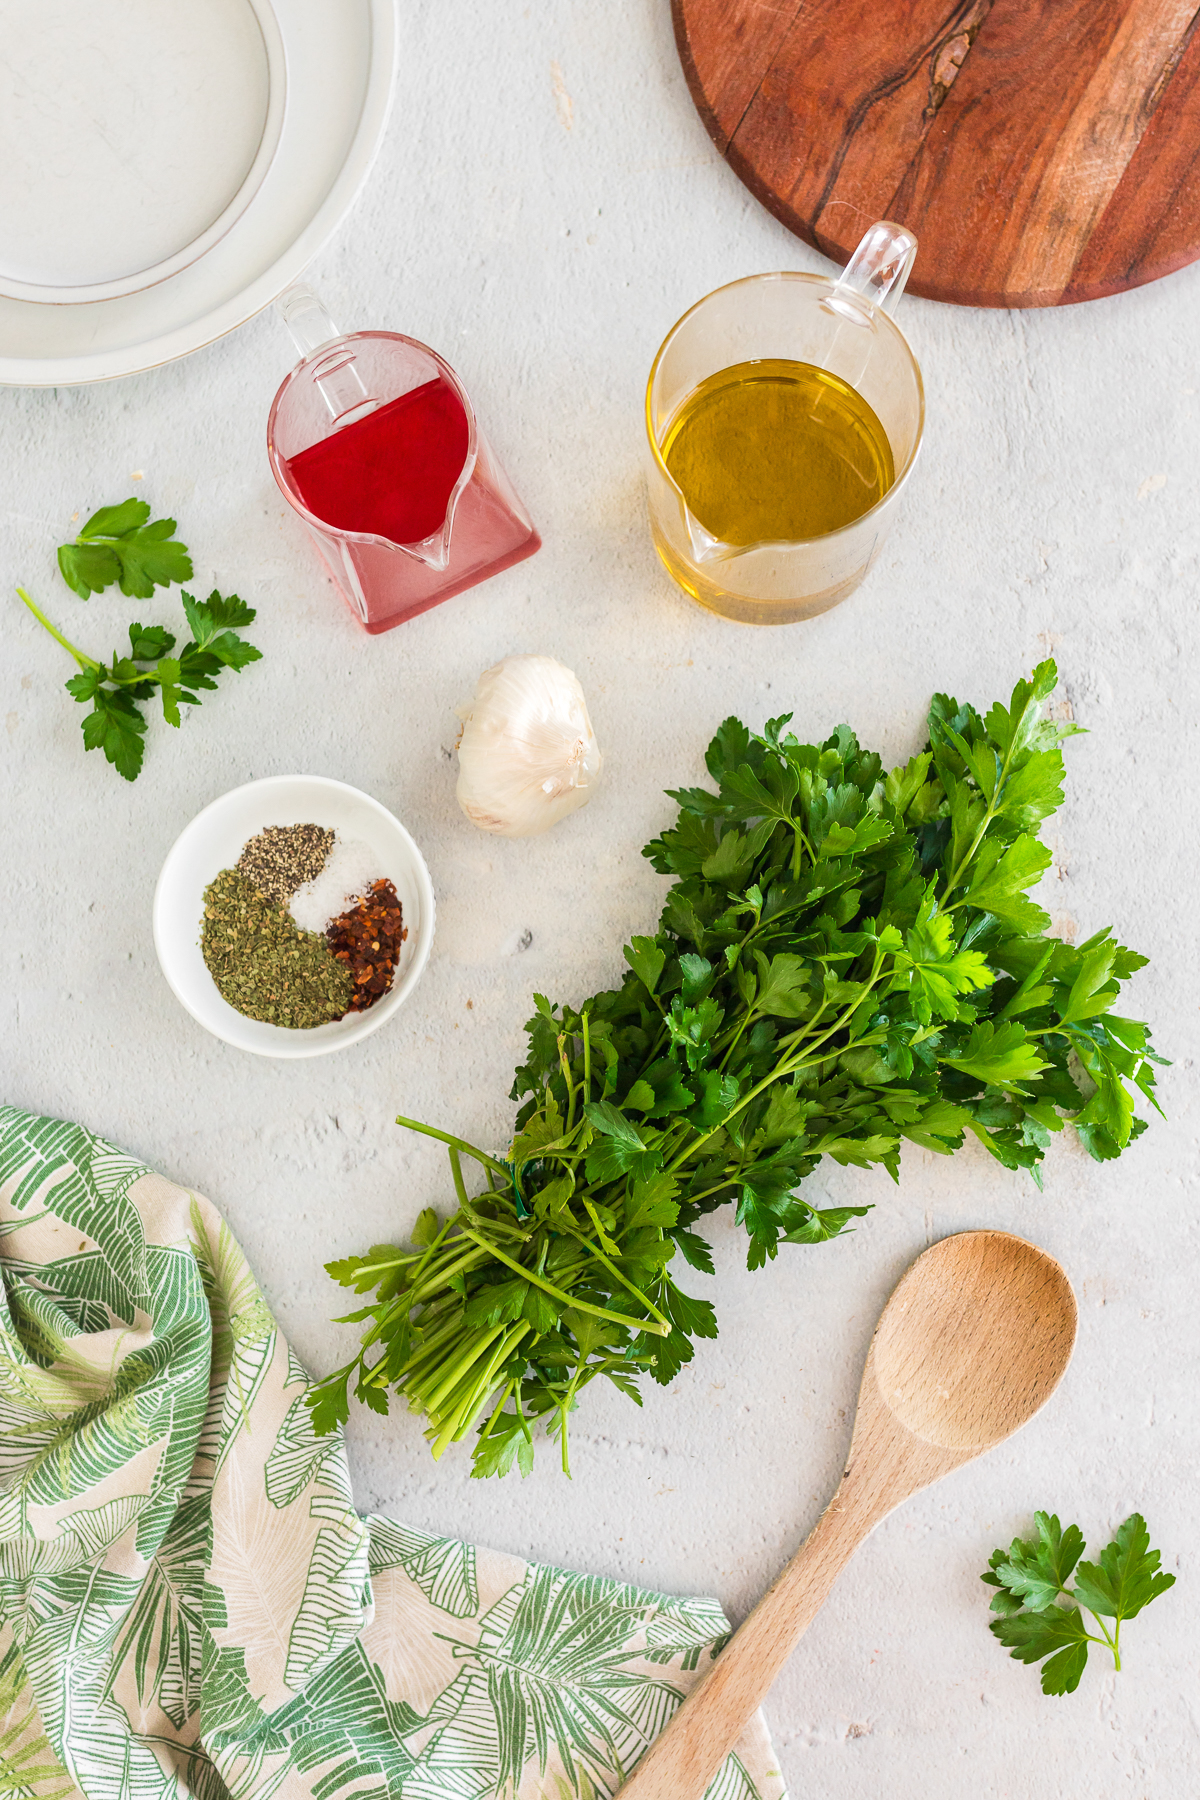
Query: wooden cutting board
x=1043, y=151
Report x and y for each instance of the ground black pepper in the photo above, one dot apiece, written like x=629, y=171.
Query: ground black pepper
x=283, y=857
x=264, y=965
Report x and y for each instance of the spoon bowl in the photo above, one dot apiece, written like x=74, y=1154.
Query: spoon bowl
x=973, y=1341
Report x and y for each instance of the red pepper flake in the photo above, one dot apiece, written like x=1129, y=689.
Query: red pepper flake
x=368, y=939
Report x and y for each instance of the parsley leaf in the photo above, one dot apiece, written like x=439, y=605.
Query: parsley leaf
x=820, y=1226
x=328, y=1401
x=116, y=724
x=1032, y=1577
x=1127, y=1577
x=1001, y=1055
x=1058, y=1633
x=1035, y=1573
x=117, y=544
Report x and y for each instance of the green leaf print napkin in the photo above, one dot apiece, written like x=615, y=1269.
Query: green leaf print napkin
x=189, y=1603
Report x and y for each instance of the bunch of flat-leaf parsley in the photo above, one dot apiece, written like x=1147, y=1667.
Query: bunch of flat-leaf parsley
x=846, y=959
x=117, y=545
x=1032, y=1577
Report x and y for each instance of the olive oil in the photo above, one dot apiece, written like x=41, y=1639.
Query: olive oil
x=776, y=449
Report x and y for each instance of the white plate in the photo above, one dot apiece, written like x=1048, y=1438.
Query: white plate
x=277, y=108
x=214, y=841
x=133, y=135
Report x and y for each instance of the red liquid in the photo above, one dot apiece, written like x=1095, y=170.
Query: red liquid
x=391, y=473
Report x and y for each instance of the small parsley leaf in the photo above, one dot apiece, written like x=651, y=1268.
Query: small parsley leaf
x=148, y=642
x=328, y=1401
x=1127, y=1577
x=116, y=724
x=118, y=545
x=1056, y=1632
x=1037, y=1572
x=1032, y=1577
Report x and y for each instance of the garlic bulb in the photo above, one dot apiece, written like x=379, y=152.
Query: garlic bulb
x=527, y=755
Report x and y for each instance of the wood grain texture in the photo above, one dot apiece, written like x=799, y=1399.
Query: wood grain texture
x=1043, y=151
x=973, y=1341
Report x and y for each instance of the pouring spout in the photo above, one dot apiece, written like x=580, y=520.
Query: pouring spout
x=434, y=551
x=705, y=547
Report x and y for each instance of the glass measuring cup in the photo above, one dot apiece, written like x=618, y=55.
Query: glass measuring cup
x=375, y=444
x=843, y=326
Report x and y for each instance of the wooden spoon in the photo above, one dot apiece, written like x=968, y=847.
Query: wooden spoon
x=974, y=1340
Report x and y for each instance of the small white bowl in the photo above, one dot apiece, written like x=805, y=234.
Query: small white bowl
x=213, y=841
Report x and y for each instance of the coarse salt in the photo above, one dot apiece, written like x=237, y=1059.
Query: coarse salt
x=349, y=870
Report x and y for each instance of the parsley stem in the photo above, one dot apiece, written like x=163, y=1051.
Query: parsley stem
x=468, y=1207
x=736, y=1038
x=645, y=1325
x=417, y=1291
x=85, y=662
x=476, y=1396
x=845, y=1017
x=566, y=1073
x=444, y=1137
x=729, y=1181
x=500, y=1406
x=430, y=1253
x=431, y=1345
x=460, y=1186
x=449, y=1380
x=564, y=1408
x=1111, y=1642
x=597, y=1312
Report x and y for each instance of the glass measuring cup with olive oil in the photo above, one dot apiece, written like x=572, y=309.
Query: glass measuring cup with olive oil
x=784, y=413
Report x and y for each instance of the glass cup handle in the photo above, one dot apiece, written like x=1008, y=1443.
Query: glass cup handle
x=307, y=321
x=880, y=266
x=338, y=381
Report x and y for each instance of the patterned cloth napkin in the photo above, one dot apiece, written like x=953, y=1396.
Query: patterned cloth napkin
x=189, y=1603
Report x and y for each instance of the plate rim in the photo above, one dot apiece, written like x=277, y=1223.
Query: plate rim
x=251, y=299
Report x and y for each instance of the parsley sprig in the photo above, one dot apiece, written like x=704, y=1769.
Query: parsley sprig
x=846, y=960
x=118, y=545
x=1032, y=1577
x=116, y=723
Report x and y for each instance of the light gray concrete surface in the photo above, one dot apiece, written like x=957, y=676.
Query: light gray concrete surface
x=546, y=204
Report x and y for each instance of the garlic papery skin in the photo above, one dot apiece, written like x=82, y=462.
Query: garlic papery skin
x=527, y=755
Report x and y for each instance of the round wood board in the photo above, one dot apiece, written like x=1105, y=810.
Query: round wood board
x=1043, y=151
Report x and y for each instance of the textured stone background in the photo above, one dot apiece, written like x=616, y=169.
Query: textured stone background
x=545, y=206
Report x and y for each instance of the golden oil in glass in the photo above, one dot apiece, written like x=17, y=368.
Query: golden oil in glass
x=777, y=450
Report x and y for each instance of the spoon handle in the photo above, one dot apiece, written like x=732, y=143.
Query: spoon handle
x=684, y=1758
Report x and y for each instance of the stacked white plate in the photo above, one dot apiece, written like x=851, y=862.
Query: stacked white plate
x=167, y=167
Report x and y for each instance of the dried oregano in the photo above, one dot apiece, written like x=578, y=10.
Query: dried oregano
x=263, y=964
